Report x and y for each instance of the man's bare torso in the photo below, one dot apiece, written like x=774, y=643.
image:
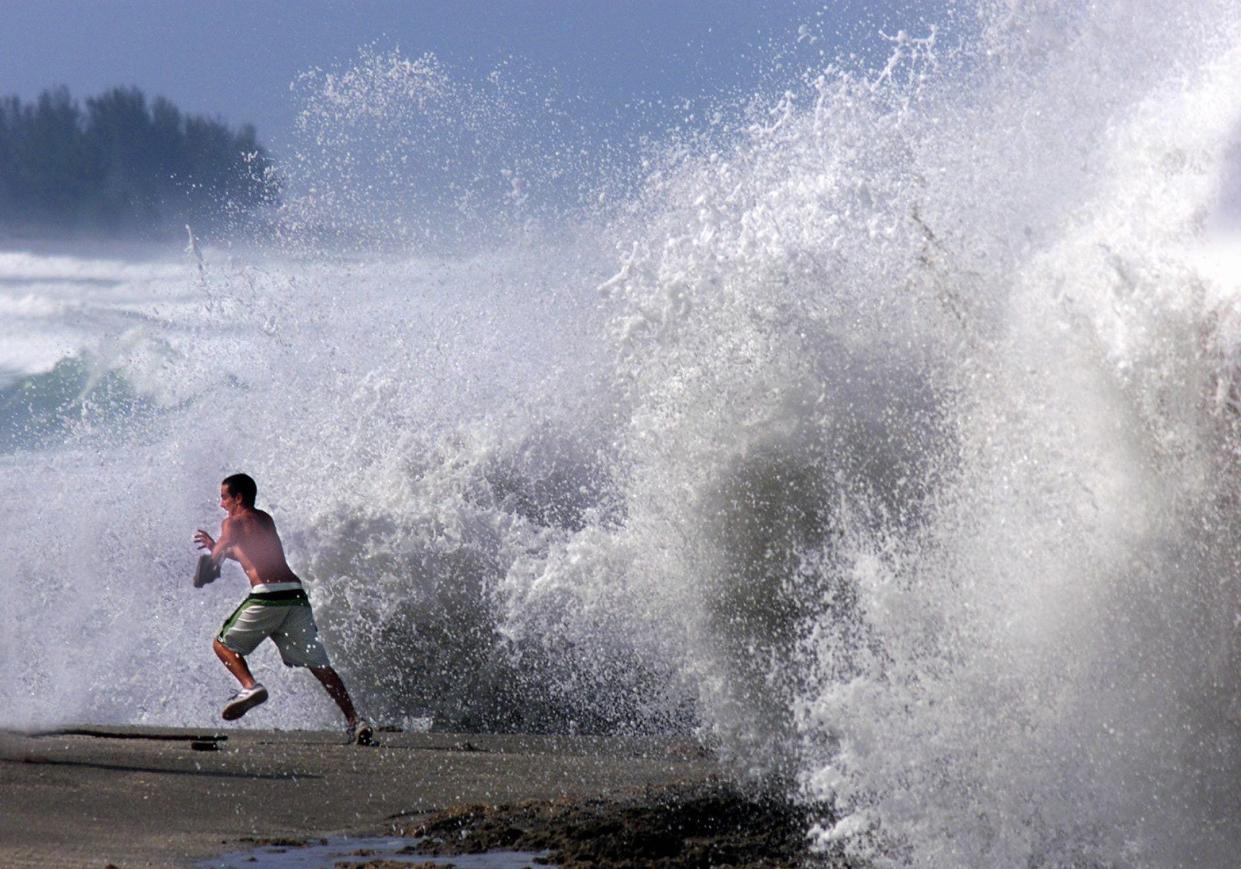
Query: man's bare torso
x=251, y=540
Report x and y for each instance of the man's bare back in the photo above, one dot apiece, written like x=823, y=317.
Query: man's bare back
x=248, y=536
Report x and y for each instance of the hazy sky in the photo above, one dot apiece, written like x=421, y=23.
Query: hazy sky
x=235, y=60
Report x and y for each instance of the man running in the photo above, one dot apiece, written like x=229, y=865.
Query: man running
x=277, y=607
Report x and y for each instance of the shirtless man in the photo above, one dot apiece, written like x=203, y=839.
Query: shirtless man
x=277, y=607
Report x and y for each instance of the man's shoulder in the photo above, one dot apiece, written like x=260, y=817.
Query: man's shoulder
x=260, y=520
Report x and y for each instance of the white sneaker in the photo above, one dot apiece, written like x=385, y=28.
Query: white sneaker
x=243, y=701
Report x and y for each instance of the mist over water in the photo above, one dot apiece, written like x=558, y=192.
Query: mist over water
x=885, y=436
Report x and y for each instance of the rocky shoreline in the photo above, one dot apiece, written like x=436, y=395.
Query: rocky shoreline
x=699, y=824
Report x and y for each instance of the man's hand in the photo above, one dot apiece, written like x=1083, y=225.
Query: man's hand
x=219, y=549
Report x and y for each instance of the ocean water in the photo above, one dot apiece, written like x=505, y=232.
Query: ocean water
x=884, y=434
x=393, y=851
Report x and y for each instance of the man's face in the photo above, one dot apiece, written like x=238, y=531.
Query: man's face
x=228, y=501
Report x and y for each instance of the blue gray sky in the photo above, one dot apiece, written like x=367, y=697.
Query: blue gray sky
x=235, y=60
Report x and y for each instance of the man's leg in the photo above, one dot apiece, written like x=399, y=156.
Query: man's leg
x=251, y=693
x=337, y=691
x=235, y=664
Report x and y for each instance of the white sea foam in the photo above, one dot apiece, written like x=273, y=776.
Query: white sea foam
x=888, y=439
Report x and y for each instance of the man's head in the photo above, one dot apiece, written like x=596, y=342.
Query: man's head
x=238, y=490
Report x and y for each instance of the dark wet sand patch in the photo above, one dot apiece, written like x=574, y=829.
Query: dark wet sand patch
x=694, y=824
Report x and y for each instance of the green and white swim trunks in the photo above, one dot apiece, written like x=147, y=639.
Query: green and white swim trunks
x=279, y=610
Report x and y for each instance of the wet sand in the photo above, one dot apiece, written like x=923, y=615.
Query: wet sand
x=134, y=796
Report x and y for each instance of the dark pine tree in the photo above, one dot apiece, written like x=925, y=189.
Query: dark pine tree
x=125, y=166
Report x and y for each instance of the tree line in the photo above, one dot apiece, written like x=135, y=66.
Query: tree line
x=122, y=165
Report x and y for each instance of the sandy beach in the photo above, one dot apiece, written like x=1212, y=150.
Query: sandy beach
x=135, y=796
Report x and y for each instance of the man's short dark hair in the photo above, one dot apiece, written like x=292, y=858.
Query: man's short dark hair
x=243, y=485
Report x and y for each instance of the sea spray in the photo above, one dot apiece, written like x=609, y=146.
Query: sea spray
x=983, y=596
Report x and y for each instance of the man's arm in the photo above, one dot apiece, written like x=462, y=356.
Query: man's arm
x=219, y=548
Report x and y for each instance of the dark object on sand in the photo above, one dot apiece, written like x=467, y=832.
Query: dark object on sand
x=140, y=733
x=205, y=572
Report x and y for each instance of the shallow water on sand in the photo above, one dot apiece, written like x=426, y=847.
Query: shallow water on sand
x=331, y=852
